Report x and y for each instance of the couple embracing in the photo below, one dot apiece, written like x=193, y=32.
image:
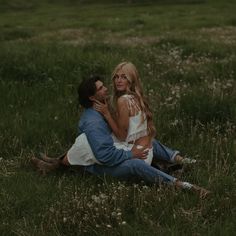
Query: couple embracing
x=118, y=140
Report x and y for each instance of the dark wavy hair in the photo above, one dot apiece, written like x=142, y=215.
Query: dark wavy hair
x=86, y=89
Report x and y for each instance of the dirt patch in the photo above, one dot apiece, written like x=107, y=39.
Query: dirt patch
x=83, y=36
x=71, y=36
x=131, y=41
x=226, y=35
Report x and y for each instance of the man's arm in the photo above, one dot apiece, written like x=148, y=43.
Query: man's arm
x=101, y=142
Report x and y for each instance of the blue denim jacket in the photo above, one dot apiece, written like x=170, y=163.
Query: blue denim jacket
x=99, y=137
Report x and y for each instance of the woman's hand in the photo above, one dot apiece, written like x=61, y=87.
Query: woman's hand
x=102, y=108
x=139, y=153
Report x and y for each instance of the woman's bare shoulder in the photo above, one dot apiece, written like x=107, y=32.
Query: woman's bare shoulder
x=122, y=100
x=125, y=97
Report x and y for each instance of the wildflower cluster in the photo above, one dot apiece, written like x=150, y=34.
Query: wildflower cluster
x=88, y=210
x=102, y=208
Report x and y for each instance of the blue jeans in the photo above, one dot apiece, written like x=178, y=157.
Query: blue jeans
x=161, y=152
x=138, y=169
x=134, y=169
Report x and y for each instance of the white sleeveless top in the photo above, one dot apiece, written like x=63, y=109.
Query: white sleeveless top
x=137, y=124
x=137, y=129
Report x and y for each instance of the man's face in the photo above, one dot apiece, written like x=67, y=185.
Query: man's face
x=101, y=93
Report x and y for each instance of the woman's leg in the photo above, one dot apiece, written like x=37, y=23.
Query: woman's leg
x=163, y=153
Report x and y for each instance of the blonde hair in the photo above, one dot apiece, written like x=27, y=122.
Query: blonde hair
x=136, y=90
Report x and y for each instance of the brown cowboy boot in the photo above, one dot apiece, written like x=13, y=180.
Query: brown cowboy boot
x=57, y=160
x=202, y=192
x=44, y=167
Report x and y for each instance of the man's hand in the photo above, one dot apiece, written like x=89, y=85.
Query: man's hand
x=139, y=152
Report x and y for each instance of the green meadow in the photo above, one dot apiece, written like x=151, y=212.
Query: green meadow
x=185, y=51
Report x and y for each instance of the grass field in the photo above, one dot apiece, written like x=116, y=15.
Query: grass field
x=186, y=55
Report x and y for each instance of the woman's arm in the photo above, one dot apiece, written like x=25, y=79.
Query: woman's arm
x=120, y=125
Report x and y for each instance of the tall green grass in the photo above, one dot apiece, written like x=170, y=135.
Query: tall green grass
x=185, y=53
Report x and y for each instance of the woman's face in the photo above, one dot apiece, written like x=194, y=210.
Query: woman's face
x=121, y=81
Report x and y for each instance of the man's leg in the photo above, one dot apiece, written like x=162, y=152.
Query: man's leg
x=139, y=170
x=132, y=169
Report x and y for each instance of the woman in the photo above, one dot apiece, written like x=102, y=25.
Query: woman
x=132, y=122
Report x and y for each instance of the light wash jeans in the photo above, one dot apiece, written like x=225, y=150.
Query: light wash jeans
x=139, y=169
x=162, y=152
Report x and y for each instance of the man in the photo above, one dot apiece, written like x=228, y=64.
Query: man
x=108, y=160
